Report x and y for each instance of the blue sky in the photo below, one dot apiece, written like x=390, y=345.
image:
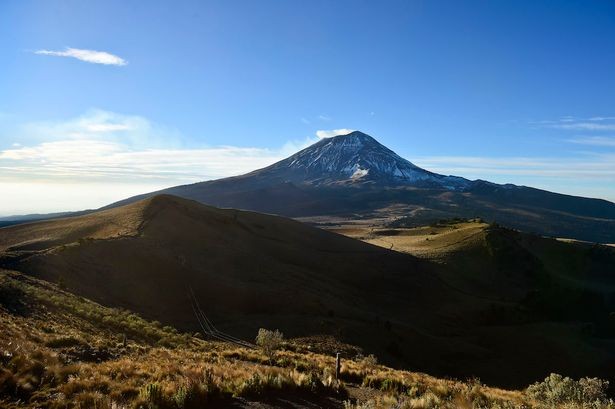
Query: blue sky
x=104, y=99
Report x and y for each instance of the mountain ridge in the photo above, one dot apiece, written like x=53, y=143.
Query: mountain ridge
x=354, y=176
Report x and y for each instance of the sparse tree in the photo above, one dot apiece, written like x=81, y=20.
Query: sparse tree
x=269, y=341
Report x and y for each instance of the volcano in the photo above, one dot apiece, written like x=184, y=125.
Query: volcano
x=354, y=158
x=353, y=175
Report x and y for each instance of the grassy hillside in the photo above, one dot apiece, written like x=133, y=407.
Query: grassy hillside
x=560, y=279
x=246, y=269
x=545, y=288
x=58, y=350
x=463, y=313
x=498, y=262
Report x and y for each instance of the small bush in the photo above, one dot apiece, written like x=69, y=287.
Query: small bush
x=191, y=395
x=370, y=361
x=153, y=396
x=259, y=384
x=313, y=383
x=269, y=341
x=556, y=389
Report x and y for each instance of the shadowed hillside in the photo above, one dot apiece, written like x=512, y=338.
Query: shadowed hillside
x=528, y=278
x=495, y=260
x=247, y=270
x=58, y=350
x=250, y=270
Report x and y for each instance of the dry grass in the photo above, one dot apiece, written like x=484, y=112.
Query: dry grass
x=112, y=223
x=57, y=352
x=432, y=242
x=62, y=354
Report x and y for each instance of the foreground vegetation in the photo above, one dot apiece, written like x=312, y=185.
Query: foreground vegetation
x=62, y=351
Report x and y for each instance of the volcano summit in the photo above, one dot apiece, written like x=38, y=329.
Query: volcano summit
x=355, y=158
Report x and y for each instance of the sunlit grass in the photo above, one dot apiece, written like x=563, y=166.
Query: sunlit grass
x=62, y=351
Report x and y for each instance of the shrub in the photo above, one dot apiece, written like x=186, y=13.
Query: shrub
x=312, y=383
x=269, y=341
x=370, y=361
x=153, y=396
x=191, y=395
x=392, y=385
x=556, y=389
x=257, y=384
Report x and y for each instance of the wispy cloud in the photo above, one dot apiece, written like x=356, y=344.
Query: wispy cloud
x=100, y=145
x=590, y=174
x=590, y=166
x=585, y=126
x=325, y=118
x=594, y=140
x=96, y=160
x=91, y=56
x=602, y=118
x=134, y=130
x=101, y=156
x=595, y=123
x=333, y=132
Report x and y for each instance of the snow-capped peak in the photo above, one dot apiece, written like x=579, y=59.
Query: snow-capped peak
x=354, y=157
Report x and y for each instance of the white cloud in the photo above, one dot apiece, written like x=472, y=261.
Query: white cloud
x=585, y=126
x=590, y=175
x=26, y=197
x=594, y=140
x=324, y=117
x=59, y=170
x=96, y=160
x=595, y=123
x=108, y=156
x=134, y=130
x=91, y=56
x=333, y=132
x=101, y=149
x=591, y=166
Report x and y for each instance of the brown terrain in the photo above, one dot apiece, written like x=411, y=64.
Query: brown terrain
x=467, y=300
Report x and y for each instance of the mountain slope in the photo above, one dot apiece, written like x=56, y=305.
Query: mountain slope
x=509, y=261
x=251, y=270
x=247, y=270
x=62, y=350
x=354, y=175
x=354, y=158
